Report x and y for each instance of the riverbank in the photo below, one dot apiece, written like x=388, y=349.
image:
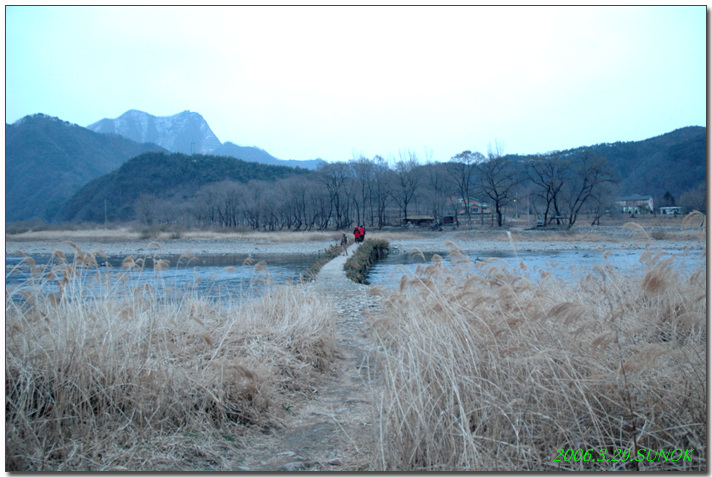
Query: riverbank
x=123, y=242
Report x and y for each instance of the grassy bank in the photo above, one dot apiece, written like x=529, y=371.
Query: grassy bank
x=141, y=380
x=485, y=370
x=357, y=265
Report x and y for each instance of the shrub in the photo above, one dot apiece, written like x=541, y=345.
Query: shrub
x=357, y=265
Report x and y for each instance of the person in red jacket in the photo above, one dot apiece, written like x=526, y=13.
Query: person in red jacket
x=361, y=233
x=357, y=234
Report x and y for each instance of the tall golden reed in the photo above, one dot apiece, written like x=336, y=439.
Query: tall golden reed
x=102, y=377
x=486, y=368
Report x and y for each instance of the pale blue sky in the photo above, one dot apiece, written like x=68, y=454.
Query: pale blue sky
x=331, y=82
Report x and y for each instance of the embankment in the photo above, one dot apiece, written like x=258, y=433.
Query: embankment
x=356, y=267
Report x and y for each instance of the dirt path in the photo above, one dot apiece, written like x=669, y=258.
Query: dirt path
x=332, y=430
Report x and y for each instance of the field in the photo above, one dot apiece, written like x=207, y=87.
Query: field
x=473, y=367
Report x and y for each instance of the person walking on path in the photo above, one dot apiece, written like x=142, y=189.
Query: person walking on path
x=361, y=233
x=357, y=235
x=344, y=245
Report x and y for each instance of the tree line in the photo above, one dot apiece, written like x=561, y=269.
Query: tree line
x=555, y=188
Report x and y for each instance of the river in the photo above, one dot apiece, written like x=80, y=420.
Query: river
x=564, y=264
x=220, y=276
x=214, y=276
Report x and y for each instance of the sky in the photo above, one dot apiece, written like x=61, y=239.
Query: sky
x=339, y=82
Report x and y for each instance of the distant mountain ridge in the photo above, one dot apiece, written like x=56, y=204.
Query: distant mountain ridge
x=47, y=160
x=187, y=133
x=255, y=154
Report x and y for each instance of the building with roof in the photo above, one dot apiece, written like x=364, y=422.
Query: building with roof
x=635, y=204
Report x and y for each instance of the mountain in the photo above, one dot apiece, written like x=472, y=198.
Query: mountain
x=255, y=154
x=47, y=160
x=674, y=162
x=185, y=132
x=164, y=176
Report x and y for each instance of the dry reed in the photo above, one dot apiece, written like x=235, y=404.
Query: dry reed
x=103, y=378
x=488, y=369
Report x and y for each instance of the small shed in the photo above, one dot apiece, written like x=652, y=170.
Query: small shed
x=670, y=210
x=419, y=220
x=448, y=220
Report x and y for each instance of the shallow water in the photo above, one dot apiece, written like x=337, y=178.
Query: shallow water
x=209, y=276
x=564, y=264
x=220, y=276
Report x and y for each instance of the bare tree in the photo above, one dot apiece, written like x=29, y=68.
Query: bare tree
x=320, y=207
x=695, y=199
x=588, y=173
x=254, y=204
x=548, y=175
x=380, y=190
x=437, y=188
x=462, y=168
x=219, y=204
x=405, y=181
x=146, y=207
x=294, y=191
x=362, y=170
x=497, y=178
x=336, y=179
x=230, y=204
x=600, y=202
x=204, y=206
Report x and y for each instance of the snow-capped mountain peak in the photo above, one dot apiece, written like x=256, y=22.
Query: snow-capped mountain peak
x=186, y=132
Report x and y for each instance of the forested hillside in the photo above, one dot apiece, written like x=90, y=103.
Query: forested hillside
x=59, y=171
x=671, y=168
x=47, y=160
x=169, y=177
x=673, y=162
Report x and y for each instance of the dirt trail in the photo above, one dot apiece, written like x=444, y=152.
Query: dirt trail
x=331, y=430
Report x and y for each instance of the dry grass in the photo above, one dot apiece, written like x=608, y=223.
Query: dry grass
x=580, y=233
x=486, y=370
x=623, y=233
x=103, y=378
x=132, y=233
x=127, y=233
x=124, y=234
x=100, y=234
x=267, y=237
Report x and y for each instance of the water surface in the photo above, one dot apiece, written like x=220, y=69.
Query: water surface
x=564, y=264
x=209, y=276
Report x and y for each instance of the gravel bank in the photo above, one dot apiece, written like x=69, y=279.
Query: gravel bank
x=169, y=247
x=585, y=238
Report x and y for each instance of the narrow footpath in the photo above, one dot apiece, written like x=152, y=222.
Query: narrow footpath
x=333, y=429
